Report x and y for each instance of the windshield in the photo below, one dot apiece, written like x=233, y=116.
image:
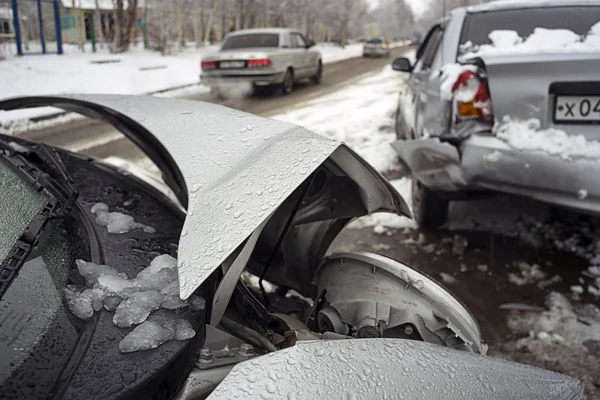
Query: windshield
x=253, y=40
x=478, y=26
x=374, y=41
x=19, y=203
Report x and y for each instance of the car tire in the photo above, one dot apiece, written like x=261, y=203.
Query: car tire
x=429, y=208
x=287, y=86
x=319, y=75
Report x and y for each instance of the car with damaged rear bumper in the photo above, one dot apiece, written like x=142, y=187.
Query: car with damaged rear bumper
x=519, y=115
x=261, y=57
x=222, y=286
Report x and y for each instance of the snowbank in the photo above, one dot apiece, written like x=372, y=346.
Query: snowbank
x=542, y=40
x=528, y=136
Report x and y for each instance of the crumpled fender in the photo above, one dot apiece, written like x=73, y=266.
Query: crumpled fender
x=434, y=163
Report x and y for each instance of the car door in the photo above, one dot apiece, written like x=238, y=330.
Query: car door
x=419, y=85
x=302, y=65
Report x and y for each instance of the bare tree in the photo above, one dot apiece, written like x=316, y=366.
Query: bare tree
x=98, y=24
x=123, y=24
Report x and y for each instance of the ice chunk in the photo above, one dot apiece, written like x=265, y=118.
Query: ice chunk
x=91, y=271
x=117, y=286
x=112, y=302
x=117, y=222
x=83, y=303
x=184, y=330
x=156, y=331
x=161, y=272
x=173, y=303
x=197, y=303
x=172, y=289
x=148, y=335
x=136, y=308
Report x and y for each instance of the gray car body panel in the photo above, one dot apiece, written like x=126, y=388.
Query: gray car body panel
x=520, y=87
x=233, y=171
x=389, y=368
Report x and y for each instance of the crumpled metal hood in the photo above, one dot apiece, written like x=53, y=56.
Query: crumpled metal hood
x=230, y=169
x=389, y=368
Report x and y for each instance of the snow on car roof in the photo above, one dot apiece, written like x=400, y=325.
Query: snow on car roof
x=518, y=4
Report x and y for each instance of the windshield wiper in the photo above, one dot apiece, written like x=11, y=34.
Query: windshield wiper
x=53, y=180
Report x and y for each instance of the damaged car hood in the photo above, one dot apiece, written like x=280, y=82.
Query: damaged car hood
x=232, y=171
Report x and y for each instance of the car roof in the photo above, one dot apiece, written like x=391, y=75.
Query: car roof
x=277, y=31
x=520, y=4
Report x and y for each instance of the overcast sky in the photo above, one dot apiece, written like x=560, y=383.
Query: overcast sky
x=418, y=6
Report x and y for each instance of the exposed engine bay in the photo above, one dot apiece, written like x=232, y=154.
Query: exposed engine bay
x=361, y=295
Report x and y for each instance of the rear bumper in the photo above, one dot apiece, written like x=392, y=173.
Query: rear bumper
x=262, y=78
x=485, y=162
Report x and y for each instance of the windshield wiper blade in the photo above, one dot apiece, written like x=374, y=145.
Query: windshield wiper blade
x=58, y=187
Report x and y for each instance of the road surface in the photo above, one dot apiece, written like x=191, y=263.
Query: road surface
x=98, y=139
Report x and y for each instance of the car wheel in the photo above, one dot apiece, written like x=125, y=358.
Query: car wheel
x=430, y=210
x=288, y=82
x=319, y=75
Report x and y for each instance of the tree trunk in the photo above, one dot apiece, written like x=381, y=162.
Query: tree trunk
x=199, y=28
x=132, y=17
x=180, y=25
x=98, y=24
x=117, y=28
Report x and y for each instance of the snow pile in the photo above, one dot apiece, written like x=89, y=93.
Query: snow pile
x=133, y=300
x=331, y=52
x=117, y=222
x=530, y=274
x=528, y=136
x=502, y=39
x=361, y=115
x=572, y=324
x=449, y=76
x=383, y=222
x=542, y=40
x=594, y=273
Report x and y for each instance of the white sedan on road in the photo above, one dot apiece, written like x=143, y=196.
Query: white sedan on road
x=262, y=57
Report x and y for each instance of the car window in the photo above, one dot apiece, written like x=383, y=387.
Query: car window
x=429, y=48
x=19, y=203
x=298, y=41
x=477, y=27
x=374, y=41
x=252, y=40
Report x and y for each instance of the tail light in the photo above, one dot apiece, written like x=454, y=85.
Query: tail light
x=208, y=65
x=259, y=63
x=472, y=98
x=384, y=46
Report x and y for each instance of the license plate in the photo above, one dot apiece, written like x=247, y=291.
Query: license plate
x=232, y=64
x=577, y=109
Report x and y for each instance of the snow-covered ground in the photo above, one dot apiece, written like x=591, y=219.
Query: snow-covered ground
x=135, y=72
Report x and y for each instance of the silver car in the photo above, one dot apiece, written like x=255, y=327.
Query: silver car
x=263, y=57
x=376, y=47
x=457, y=149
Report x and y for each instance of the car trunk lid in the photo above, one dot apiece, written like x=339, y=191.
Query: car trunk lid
x=546, y=87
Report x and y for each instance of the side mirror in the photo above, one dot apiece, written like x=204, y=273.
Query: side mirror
x=402, y=64
x=310, y=43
